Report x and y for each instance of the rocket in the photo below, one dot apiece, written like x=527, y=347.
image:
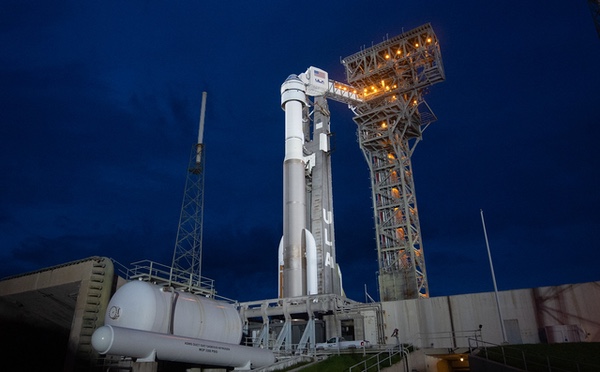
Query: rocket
x=297, y=251
x=296, y=237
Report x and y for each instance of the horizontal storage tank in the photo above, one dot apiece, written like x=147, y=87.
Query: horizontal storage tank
x=150, y=346
x=148, y=307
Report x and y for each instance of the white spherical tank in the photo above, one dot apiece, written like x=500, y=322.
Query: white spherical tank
x=148, y=307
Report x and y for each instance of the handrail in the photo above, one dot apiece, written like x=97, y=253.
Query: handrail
x=376, y=361
x=158, y=273
x=448, y=339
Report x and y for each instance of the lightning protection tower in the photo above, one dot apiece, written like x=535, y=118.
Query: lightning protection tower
x=187, y=255
x=392, y=77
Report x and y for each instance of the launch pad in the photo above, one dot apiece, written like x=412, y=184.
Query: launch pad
x=385, y=87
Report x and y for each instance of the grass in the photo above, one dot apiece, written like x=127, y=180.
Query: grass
x=343, y=362
x=578, y=356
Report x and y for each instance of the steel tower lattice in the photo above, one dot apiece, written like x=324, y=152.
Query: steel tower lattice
x=391, y=78
x=187, y=255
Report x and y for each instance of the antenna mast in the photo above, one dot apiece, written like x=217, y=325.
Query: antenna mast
x=187, y=255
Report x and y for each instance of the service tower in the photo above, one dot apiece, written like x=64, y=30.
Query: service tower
x=392, y=78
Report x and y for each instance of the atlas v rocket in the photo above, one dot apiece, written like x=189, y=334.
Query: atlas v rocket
x=298, y=257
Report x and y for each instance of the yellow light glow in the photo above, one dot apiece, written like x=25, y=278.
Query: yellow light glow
x=429, y=40
x=398, y=51
x=387, y=56
x=416, y=45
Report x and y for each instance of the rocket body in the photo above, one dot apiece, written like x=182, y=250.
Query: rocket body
x=293, y=100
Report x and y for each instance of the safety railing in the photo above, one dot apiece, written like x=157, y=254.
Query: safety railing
x=447, y=339
x=160, y=274
x=384, y=359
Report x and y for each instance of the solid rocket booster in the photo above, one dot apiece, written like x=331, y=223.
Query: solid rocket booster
x=149, y=346
x=293, y=100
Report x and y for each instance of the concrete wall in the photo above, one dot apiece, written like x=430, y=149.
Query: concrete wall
x=528, y=314
x=570, y=304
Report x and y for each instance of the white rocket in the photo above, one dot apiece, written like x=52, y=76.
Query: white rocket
x=297, y=250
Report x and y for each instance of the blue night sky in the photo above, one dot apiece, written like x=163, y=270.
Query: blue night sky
x=99, y=105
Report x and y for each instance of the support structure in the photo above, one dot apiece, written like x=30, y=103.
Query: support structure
x=391, y=78
x=187, y=255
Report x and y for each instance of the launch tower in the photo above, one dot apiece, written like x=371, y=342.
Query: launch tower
x=391, y=78
x=187, y=255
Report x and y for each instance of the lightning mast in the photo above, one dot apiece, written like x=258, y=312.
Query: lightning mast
x=187, y=255
x=391, y=78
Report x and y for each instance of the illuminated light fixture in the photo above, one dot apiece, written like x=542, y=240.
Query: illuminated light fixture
x=398, y=51
x=387, y=56
x=462, y=359
x=429, y=40
x=416, y=45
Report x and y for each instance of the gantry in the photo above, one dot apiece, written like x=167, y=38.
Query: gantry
x=390, y=79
